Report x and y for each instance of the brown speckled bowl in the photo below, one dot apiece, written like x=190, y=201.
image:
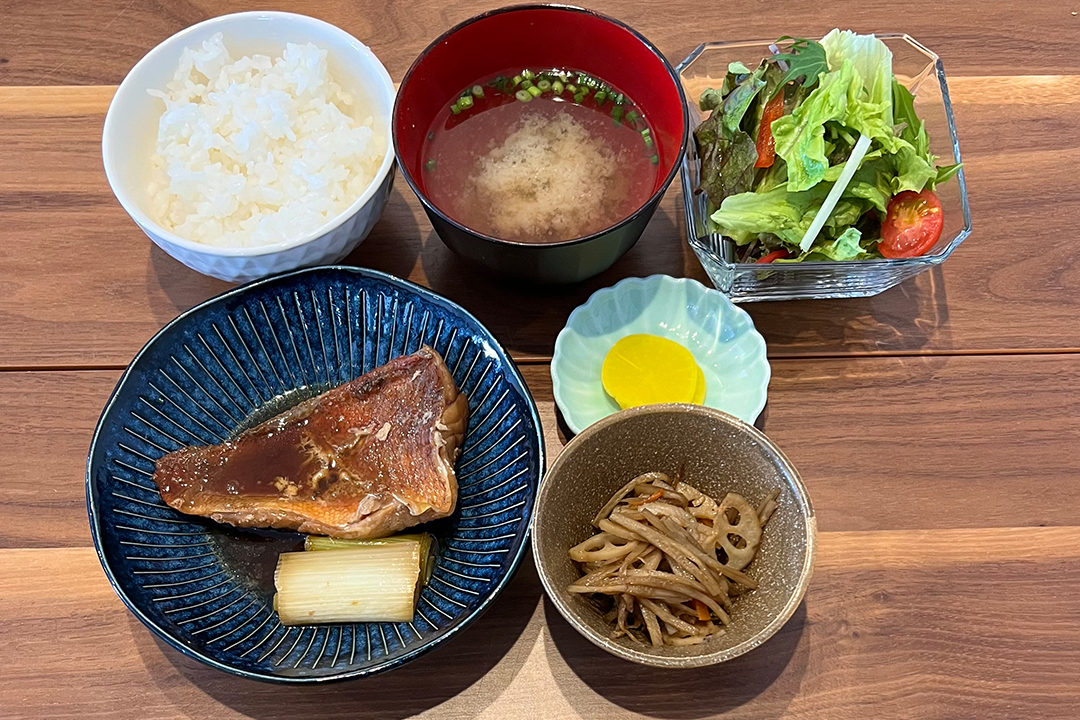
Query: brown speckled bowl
x=722, y=454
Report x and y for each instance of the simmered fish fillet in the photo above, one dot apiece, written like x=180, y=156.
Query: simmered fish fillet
x=362, y=460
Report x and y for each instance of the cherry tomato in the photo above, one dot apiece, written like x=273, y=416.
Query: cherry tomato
x=912, y=224
x=766, y=145
x=774, y=255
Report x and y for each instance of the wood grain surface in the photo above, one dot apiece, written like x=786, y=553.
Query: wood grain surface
x=71, y=43
x=903, y=624
x=937, y=425
x=882, y=443
x=997, y=293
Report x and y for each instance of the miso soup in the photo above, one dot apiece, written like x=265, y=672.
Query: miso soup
x=540, y=157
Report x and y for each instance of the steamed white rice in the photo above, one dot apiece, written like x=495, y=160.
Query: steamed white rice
x=257, y=151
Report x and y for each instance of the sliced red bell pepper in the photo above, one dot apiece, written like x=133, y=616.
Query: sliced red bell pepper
x=766, y=145
x=774, y=255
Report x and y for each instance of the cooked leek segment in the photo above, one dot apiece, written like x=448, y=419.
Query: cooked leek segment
x=426, y=540
x=373, y=583
x=321, y=542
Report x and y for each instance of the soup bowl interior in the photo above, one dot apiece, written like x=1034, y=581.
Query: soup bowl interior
x=716, y=453
x=539, y=36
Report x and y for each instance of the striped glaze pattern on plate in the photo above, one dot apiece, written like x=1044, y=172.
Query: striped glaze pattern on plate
x=245, y=356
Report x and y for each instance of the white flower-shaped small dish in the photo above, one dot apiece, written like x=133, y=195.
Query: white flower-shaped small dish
x=720, y=335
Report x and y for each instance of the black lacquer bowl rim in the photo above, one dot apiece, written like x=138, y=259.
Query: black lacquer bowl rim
x=514, y=375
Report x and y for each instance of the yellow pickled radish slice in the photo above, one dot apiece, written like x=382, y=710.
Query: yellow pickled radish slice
x=646, y=369
x=699, y=393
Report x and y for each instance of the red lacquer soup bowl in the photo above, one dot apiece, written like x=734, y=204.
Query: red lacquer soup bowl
x=541, y=36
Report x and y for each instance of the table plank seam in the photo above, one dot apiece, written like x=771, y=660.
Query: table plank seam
x=546, y=360
x=1022, y=540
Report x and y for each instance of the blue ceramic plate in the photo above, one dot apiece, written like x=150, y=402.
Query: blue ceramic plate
x=239, y=359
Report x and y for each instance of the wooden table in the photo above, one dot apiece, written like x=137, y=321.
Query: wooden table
x=937, y=425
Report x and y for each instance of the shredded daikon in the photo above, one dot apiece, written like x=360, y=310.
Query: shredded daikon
x=852, y=164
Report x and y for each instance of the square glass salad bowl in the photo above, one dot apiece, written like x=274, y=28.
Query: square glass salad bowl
x=915, y=67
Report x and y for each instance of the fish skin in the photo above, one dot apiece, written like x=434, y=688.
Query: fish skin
x=363, y=460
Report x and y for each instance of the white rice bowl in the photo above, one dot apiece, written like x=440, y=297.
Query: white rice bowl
x=258, y=151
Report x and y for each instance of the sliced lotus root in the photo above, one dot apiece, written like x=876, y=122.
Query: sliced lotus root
x=701, y=505
x=601, y=547
x=690, y=492
x=740, y=530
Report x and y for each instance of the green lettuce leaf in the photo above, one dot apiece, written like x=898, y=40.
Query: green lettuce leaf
x=870, y=108
x=944, y=172
x=710, y=99
x=873, y=63
x=833, y=173
x=737, y=164
x=855, y=98
x=872, y=120
x=800, y=137
x=727, y=153
x=847, y=212
x=872, y=182
x=845, y=247
x=785, y=214
x=911, y=127
x=805, y=59
x=727, y=160
x=912, y=169
x=738, y=101
x=772, y=177
x=913, y=162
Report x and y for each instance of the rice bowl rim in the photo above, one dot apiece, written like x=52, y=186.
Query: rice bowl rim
x=127, y=86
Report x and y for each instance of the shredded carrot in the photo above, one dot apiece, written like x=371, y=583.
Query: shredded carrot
x=652, y=498
x=702, y=611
